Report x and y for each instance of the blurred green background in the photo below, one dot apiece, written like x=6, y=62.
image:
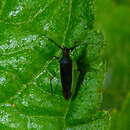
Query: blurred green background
x=113, y=17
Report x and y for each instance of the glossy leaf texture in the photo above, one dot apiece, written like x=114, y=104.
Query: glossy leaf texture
x=27, y=64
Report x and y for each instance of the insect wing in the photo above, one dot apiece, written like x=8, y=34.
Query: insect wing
x=66, y=76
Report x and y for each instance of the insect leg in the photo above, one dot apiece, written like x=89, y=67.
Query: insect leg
x=54, y=82
x=52, y=75
x=51, y=86
x=51, y=79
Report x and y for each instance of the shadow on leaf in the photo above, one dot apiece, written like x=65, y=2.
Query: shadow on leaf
x=83, y=67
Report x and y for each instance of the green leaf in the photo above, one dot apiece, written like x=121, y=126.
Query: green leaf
x=27, y=65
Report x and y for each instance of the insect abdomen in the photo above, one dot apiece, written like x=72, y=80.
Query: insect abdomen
x=66, y=76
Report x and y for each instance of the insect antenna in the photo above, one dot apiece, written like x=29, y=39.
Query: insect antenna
x=53, y=42
x=77, y=45
x=72, y=48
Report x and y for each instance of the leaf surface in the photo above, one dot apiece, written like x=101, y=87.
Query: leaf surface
x=27, y=64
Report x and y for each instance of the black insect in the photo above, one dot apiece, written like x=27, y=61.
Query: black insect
x=66, y=72
x=65, y=69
